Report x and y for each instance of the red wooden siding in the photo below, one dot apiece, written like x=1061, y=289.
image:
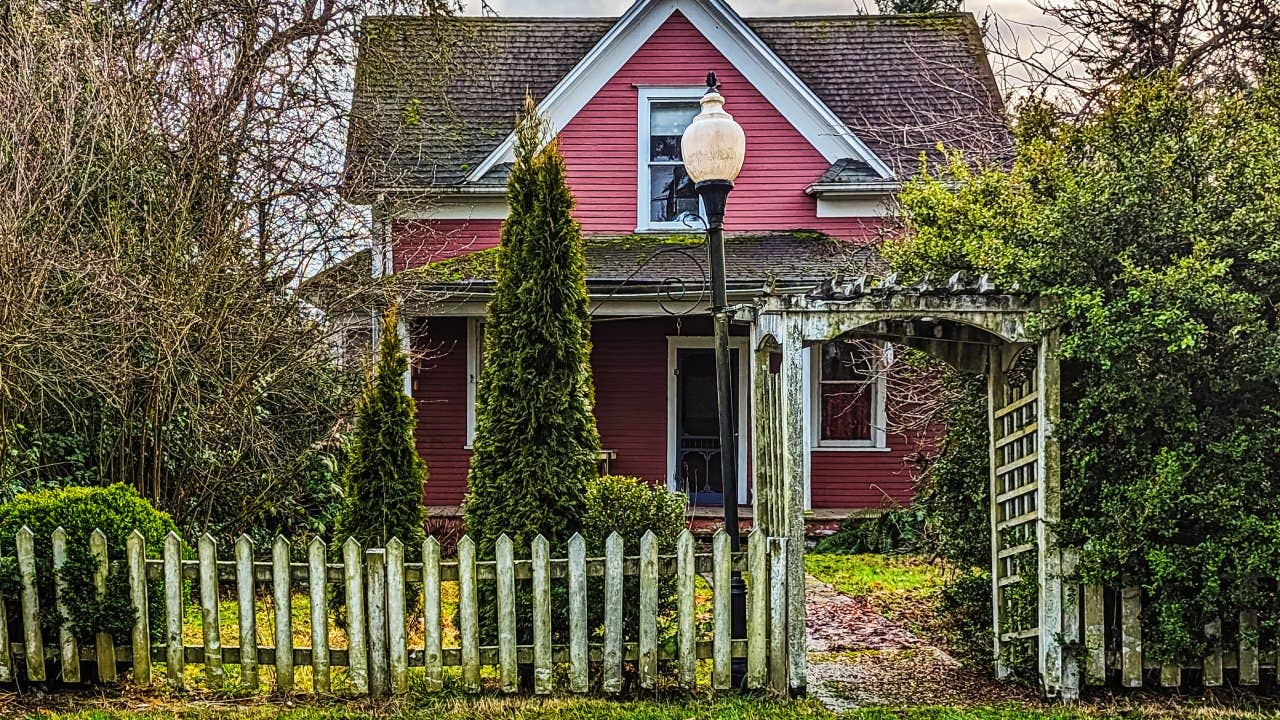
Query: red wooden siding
x=780, y=163
x=629, y=363
x=418, y=242
x=440, y=392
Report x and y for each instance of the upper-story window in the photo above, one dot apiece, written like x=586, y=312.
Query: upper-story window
x=666, y=192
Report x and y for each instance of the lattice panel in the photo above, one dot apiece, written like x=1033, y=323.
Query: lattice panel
x=1015, y=507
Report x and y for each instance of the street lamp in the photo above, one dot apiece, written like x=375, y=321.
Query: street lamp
x=713, y=147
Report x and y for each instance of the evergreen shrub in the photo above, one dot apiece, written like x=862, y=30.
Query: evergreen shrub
x=117, y=510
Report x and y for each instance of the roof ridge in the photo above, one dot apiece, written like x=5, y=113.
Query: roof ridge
x=877, y=17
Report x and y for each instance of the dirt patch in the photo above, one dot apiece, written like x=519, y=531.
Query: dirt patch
x=858, y=658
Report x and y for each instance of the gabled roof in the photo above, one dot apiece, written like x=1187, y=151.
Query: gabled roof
x=901, y=84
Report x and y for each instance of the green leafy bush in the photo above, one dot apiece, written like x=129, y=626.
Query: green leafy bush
x=631, y=507
x=892, y=531
x=117, y=510
x=1152, y=220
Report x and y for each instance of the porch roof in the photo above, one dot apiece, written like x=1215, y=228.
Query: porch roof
x=621, y=266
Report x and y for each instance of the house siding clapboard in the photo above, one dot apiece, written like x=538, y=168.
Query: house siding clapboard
x=629, y=370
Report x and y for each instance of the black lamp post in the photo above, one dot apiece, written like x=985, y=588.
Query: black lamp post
x=713, y=148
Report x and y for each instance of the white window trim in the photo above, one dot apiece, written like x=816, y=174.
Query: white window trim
x=681, y=342
x=877, y=443
x=647, y=96
x=473, y=376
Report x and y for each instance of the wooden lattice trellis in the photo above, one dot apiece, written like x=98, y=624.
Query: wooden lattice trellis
x=975, y=328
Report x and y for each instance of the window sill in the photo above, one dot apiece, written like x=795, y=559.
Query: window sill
x=850, y=448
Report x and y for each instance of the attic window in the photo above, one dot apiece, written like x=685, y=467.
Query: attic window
x=666, y=192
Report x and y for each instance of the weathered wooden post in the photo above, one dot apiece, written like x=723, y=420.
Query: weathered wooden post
x=246, y=590
x=33, y=639
x=69, y=647
x=136, y=549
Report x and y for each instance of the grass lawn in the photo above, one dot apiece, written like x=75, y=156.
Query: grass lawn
x=698, y=708
x=901, y=587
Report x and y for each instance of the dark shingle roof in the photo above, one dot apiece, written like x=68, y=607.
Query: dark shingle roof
x=640, y=263
x=901, y=83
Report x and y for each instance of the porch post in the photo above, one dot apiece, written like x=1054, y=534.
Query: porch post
x=793, y=464
x=1057, y=599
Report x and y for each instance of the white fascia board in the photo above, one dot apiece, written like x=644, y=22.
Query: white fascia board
x=877, y=189
x=467, y=207
x=736, y=41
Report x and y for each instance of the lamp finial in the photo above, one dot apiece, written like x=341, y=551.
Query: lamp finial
x=712, y=82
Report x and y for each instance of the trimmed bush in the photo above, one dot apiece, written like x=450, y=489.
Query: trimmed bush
x=117, y=510
x=631, y=507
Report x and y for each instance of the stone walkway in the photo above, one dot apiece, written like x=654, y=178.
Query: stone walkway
x=859, y=658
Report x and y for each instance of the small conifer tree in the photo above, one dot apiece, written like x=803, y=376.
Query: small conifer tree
x=536, y=442
x=385, y=476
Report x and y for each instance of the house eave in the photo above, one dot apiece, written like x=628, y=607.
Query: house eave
x=853, y=190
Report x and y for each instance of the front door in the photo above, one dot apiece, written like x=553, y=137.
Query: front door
x=697, y=430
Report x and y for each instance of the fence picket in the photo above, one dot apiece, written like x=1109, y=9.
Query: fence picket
x=431, y=614
x=757, y=609
x=353, y=580
x=397, y=648
x=104, y=644
x=506, y=580
x=282, y=595
x=778, y=615
x=686, y=637
x=1170, y=675
x=648, y=610
x=317, y=570
x=1213, y=661
x=1131, y=636
x=1095, y=636
x=136, y=550
x=1248, y=657
x=6, y=659
x=722, y=650
x=612, y=680
x=173, y=653
x=468, y=614
x=375, y=562
x=542, y=682
x=68, y=646
x=32, y=636
x=578, y=669
x=246, y=589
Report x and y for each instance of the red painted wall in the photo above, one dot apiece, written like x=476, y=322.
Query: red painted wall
x=629, y=362
x=780, y=163
x=440, y=392
x=418, y=242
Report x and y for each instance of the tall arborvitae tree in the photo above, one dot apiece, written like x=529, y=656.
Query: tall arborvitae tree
x=385, y=476
x=536, y=440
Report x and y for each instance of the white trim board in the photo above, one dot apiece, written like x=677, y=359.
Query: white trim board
x=735, y=40
x=704, y=342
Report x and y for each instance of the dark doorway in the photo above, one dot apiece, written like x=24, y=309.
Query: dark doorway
x=698, y=426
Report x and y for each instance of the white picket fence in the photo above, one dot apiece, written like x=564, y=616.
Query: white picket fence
x=1113, y=642
x=375, y=580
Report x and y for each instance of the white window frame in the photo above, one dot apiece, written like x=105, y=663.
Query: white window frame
x=474, y=353
x=647, y=96
x=701, y=342
x=877, y=442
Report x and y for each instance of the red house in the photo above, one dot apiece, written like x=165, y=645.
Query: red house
x=837, y=111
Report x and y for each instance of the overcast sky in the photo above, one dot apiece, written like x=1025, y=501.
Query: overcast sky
x=1015, y=21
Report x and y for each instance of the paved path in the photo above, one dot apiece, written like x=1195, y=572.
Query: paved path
x=858, y=658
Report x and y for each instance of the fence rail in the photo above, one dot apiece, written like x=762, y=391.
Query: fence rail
x=379, y=586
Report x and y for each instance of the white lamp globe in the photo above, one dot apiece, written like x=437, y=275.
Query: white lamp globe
x=713, y=146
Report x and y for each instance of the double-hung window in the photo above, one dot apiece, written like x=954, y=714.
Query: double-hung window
x=848, y=395
x=665, y=190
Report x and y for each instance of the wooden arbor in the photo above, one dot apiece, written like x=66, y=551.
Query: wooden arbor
x=975, y=328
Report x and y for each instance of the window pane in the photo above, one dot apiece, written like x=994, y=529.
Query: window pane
x=846, y=411
x=670, y=193
x=845, y=361
x=667, y=122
